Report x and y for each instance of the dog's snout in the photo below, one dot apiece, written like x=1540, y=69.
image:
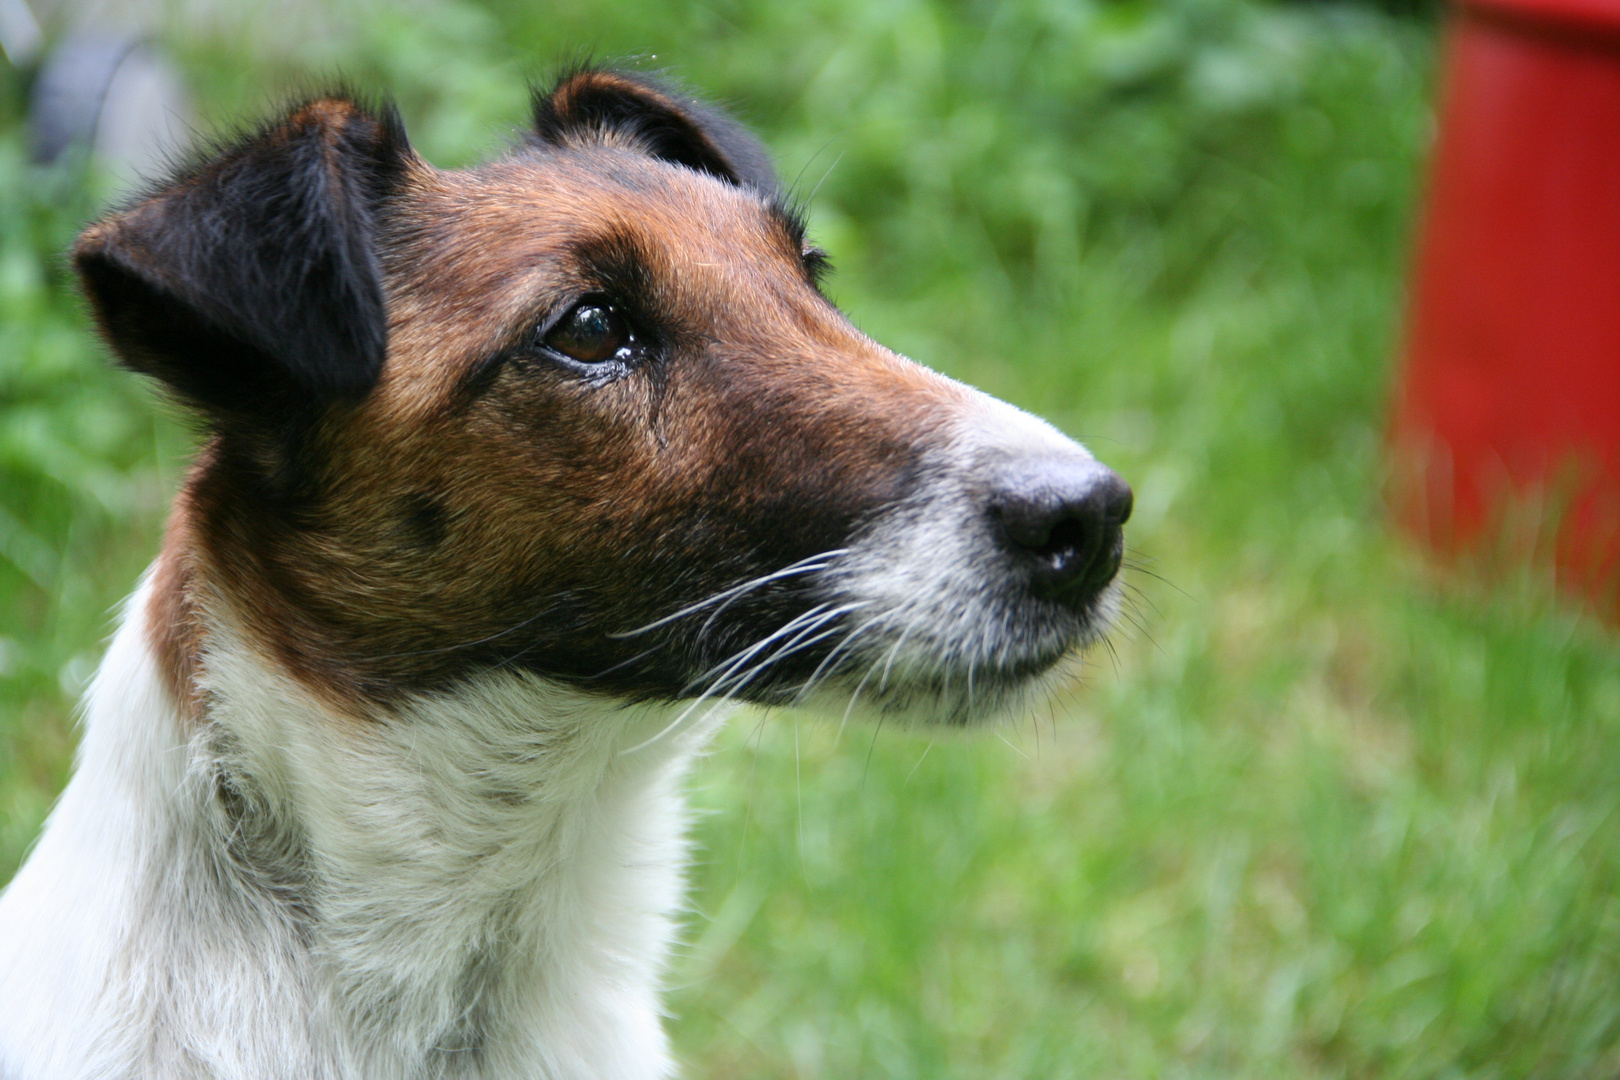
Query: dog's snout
x=1064, y=524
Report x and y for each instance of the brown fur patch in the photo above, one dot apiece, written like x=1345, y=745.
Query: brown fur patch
x=174, y=626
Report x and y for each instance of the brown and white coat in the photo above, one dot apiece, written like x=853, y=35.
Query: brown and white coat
x=512, y=477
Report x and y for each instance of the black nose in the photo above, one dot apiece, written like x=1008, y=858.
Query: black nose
x=1063, y=524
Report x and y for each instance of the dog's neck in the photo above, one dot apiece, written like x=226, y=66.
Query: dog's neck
x=477, y=884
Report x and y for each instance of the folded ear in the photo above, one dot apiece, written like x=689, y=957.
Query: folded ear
x=251, y=282
x=602, y=105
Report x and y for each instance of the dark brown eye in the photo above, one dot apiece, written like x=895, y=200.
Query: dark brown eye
x=591, y=333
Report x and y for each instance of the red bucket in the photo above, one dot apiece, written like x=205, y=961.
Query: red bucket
x=1507, y=423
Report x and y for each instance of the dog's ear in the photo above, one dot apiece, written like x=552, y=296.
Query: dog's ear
x=250, y=282
x=636, y=110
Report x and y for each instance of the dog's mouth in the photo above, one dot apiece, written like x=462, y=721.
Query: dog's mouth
x=930, y=615
x=918, y=662
x=948, y=605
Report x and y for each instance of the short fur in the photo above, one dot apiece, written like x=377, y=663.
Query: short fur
x=380, y=778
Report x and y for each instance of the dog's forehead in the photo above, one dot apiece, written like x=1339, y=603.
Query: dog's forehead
x=536, y=211
x=478, y=252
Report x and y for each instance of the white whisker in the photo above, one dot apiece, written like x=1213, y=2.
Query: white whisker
x=807, y=565
x=796, y=644
x=842, y=647
x=727, y=680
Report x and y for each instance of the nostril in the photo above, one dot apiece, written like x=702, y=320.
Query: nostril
x=1065, y=529
x=1027, y=524
x=1067, y=536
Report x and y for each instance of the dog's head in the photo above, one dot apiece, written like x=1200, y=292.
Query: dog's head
x=583, y=412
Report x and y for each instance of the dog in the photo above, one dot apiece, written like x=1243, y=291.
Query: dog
x=512, y=478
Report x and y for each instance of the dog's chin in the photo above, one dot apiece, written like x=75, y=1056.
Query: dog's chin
x=950, y=700
x=998, y=675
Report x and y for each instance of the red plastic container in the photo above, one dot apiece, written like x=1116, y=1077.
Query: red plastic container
x=1507, y=422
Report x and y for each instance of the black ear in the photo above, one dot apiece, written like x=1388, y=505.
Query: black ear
x=251, y=281
x=601, y=104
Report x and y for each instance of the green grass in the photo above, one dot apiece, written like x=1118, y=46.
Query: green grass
x=1318, y=812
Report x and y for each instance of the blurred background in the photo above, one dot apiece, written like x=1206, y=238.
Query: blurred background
x=1322, y=807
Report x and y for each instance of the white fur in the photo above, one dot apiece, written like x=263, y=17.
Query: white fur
x=926, y=623
x=486, y=885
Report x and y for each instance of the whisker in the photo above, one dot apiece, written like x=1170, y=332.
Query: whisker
x=1010, y=746
x=818, y=616
x=855, y=696
x=809, y=564
x=748, y=806
x=812, y=196
x=1140, y=596
x=917, y=766
x=876, y=731
x=797, y=644
x=1113, y=655
x=841, y=647
x=1144, y=631
x=798, y=786
x=671, y=726
x=883, y=684
x=642, y=655
x=726, y=680
x=720, y=671
x=1139, y=569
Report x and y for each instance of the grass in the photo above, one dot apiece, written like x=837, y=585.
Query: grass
x=1318, y=812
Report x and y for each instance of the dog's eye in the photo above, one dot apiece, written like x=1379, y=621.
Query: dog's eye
x=592, y=333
